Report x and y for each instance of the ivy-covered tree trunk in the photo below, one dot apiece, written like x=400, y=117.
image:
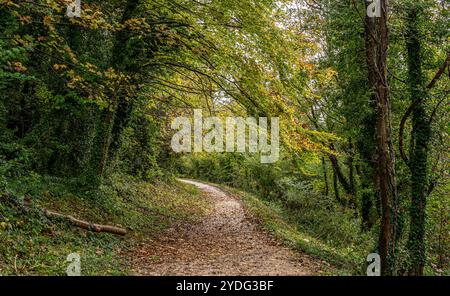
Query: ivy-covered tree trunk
x=122, y=60
x=377, y=52
x=114, y=118
x=102, y=141
x=420, y=137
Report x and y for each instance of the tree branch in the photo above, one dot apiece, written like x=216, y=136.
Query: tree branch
x=402, y=131
x=439, y=72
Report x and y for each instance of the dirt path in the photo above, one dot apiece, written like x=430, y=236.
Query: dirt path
x=225, y=242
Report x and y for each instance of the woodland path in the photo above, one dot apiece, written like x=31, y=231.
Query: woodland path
x=225, y=242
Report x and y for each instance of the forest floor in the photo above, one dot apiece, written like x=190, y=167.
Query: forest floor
x=226, y=241
x=32, y=244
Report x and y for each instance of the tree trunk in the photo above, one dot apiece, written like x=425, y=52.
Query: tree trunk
x=325, y=176
x=366, y=142
x=351, y=174
x=114, y=119
x=339, y=174
x=419, y=145
x=102, y=142
x=120, y=61
x=336, y=187
x=377, y=49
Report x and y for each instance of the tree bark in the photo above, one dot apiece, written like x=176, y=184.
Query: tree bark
x=366, y=144
x=377, y=42
x=87, y=225
x=340, y=175
x=346, y=184
x=420, y=134
x=325, y=176
x=336, y=187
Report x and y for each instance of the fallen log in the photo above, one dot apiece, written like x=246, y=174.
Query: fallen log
x=87, y=225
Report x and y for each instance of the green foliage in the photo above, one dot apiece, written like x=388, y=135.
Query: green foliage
x=235, y=170
x=324, y=218
x=34, y=245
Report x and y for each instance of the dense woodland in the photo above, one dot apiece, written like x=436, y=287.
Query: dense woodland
x=86, y=103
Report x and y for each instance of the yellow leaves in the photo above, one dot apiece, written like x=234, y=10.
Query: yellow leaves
x=18, y=67
x=71, y=54
x=103, y=90
x=25, y=19
x=8, y=3
x=115, y=78
x=92, y=69
x=48, y=21
x=21, y=40
x=136, y=24
x=330, y=73
x=55, y=6
x=298, y=137
x=74, y=79
x=92, y=18
x=58, y=67
x=309, y=66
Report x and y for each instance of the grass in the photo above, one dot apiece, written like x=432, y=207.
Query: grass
x=31, y=244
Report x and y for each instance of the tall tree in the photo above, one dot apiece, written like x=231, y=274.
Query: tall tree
x=377, y=36
x=420, y=136
x=421, y=132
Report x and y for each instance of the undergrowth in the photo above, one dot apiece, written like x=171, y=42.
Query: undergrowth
x=32, y=244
